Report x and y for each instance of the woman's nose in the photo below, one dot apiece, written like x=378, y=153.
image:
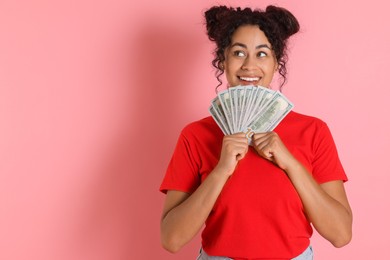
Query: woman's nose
x=249, y=64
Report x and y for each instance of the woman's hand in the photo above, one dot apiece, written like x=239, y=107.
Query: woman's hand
x=234, y=148
x=270, y=146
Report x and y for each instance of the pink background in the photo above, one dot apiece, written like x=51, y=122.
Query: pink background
x=93, y=95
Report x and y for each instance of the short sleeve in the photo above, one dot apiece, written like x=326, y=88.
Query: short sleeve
x=182, y=173
x=326, y=164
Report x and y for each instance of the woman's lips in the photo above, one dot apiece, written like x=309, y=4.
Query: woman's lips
x=249, y=80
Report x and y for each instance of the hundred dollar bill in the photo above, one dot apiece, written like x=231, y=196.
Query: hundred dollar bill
x=267, y=97
x=265, y=100
x=217, y=107
x=258, y=100
x=240, y=110
x=288, y=106
x=224, y=98
x=252, y=92
x=243, y=103
x=233, y=101
x=277, y=108
x=218, y=120
x=235, y=93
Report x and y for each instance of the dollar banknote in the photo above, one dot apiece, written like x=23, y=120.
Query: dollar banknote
x=249, y=109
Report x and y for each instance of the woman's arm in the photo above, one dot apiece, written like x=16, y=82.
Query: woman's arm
x=326, y=205
x=184, y=214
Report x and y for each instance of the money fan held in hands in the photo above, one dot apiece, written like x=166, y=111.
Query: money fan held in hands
x=249, y=109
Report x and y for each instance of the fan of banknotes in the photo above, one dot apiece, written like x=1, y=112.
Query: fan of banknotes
x=249, y=109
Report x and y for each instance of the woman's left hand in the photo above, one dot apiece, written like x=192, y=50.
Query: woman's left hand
x=269, y=146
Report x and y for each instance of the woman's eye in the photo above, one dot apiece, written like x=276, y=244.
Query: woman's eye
x=239, y=53
x=261, y=54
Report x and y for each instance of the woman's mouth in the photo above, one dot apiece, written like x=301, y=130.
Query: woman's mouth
x=249, y=80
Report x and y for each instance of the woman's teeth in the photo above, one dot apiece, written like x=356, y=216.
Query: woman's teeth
x=249, y=78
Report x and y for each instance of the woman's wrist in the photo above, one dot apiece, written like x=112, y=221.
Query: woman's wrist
x=222, y=172
x=293, y=166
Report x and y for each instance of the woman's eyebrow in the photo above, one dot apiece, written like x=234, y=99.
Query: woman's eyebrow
x=263, y=46
x=239, y=44
x=245, y=47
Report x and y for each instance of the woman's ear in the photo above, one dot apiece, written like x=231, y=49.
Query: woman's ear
x=221, y=65
x=277, y=66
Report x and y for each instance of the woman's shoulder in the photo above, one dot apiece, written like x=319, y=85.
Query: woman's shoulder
x=205, y=122
x=298, y=118
x=200, y=127
x=297, y=122
x=203, y=132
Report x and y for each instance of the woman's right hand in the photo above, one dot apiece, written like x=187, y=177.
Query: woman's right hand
x=234, y=148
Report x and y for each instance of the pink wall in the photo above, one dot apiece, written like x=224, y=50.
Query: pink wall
x=93, y=95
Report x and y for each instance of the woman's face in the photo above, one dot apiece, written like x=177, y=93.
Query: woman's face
x=249, y=60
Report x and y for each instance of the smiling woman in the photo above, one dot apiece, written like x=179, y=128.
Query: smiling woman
x=258, y=201
x=276, y=25
x=250, y=59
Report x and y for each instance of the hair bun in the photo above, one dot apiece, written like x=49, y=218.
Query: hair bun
x=288, y=24
x=214, y=16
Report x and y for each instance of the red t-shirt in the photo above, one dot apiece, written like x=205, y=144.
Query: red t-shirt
x=259, y=214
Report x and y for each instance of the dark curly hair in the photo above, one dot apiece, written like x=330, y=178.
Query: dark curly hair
x=277, y=23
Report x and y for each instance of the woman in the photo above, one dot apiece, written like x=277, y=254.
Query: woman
x=258, y=201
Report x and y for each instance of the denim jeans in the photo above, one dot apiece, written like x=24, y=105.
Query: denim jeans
x=306, y=255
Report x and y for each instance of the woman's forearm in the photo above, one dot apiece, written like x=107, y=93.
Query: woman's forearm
x=326, y=205
x=180, y=224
